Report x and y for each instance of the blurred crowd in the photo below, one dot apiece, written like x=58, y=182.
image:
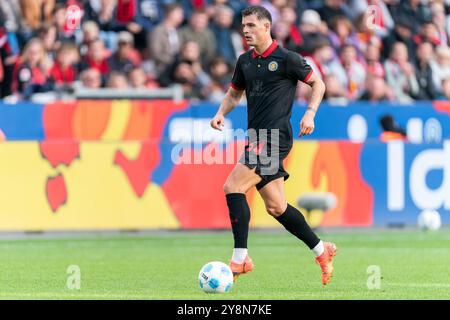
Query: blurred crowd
x=376, y=50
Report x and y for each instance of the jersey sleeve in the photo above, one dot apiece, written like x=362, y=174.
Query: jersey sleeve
x=238, y=80
x=297, y=67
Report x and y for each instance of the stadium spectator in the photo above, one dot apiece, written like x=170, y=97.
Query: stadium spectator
x=335, y=94
x=122, y=60
x=356, y=74
x=146, y=15
x=428, y=32
x=424, y=74
x=190, y=55
x=198, y=31
x=189, y=6
x=113, y=31
x=274, y=7
x=90, y=33
x=414, y=10
x=376, y=90
x=126, y=11
x=332, y=9
x=149, y=14
x=65, y=29
x=14, y=23
x=372, y=59
x=64, y=71
x=7, y=60
x=439, y=19
x=36, y=12
x=366, y=35
x=285, y=31
x=220, y=72
x=117, y=80
x=104, y=14
x=127, y=14
x=139, y=79
x=91, y=79
x=440, y=66
x=164, y=42
x=281, y=33
x=47, y=33
x=323, y=62
x=400, y=74
x=342, y=33
x=312, y=31
x=230, y=41
x=445, y=95
x=92, y=9
x=32, y=70
x=187, y=71
x=300, y=6
x=213, y=7
x=97, y=58
x=375, y=15
x=236, y=5
x=402, y=33
x=186, y=77
x=289, y=16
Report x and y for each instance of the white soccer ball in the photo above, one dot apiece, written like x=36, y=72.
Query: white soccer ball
x=429, y=220
x=215, y=277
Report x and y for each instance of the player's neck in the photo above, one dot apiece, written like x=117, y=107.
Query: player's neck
x=263, y=46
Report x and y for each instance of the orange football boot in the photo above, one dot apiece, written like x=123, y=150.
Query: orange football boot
x=242, y=268
x=325, y=261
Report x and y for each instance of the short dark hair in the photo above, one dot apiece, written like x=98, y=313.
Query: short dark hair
x=259, y=11
x=169, y=8
x=199, y=11
x=348, y=45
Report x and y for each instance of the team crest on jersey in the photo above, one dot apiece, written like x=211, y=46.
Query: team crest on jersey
x=273, y=66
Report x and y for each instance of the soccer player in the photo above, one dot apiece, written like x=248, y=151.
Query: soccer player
x=268, y=74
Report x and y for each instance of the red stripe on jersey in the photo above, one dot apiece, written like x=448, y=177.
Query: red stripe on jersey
x=235, y=87
x=308, y=76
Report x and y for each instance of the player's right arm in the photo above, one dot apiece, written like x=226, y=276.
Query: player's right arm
x=232, y=98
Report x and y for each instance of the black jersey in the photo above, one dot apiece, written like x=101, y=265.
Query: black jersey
x=270, y=82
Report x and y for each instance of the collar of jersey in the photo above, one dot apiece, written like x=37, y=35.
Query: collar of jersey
x=268, y=51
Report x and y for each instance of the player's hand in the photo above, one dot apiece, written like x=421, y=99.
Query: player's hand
x=134, y=27
x=218, y=122
x=407, y=68
x=307, y=124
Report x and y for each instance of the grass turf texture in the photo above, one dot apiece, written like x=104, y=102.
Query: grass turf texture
x=414, y=265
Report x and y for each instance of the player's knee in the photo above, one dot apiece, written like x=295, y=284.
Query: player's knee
x=275, y=209
x=227, y=188
x=230, y=187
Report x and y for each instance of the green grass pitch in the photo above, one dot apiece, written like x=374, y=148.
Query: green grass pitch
x=413, y=264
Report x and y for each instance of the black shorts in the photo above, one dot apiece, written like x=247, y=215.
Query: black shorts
x=267, y=159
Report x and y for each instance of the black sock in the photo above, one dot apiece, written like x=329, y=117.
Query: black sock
x=295, y=223
x=239, y=217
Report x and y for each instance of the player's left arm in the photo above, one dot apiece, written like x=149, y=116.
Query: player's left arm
x=318, y=90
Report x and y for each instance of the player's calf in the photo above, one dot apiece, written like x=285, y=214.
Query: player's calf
x=294, y=221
